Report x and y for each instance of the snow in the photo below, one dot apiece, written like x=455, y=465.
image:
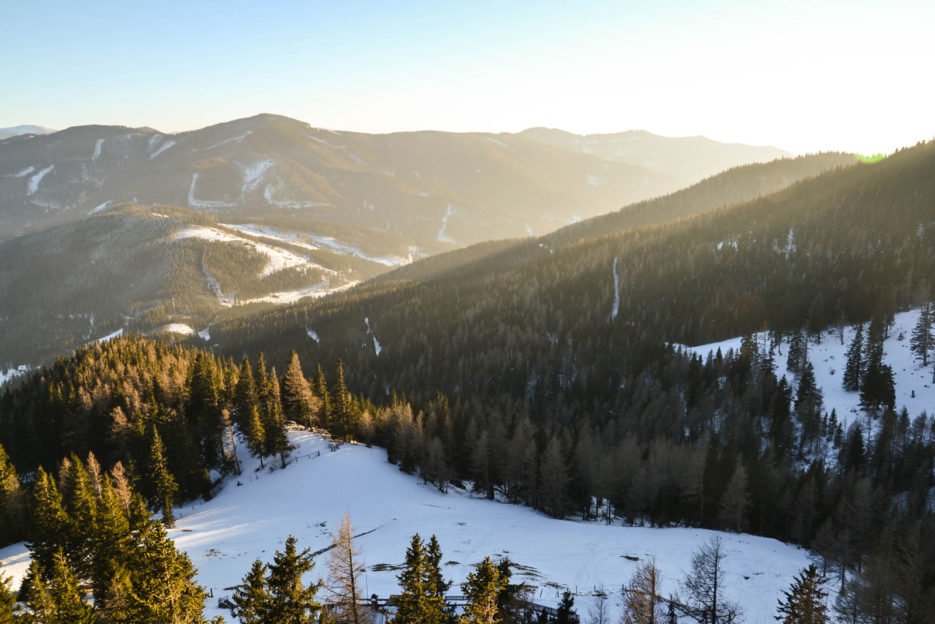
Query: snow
x=33, y=184
x=269, y=195
x=235, y=139
x=496, y=141
x=376, y=343
x=25, y=172
x=177, y=328
x=277, y=259
x=442, y=236
x=100, y=208
x=312, y=334
x=198, y=203
x=317, y=243
x=205, y=334
x=162, y=148
x=253, y=175
x=110, y=336
x=12, y=373
x=528, y=230
x=592, y=180
x=616, y=308
x=308, y=499
x=317, y=291
x=97, y=149
x=829, y=357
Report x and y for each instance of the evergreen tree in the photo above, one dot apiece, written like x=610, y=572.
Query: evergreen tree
x=255, y=434
x=164, y=486
x=9, y=610
x=435, y=584
x=162, y=580
x=12, y=502
x=245, y=395
x=345, y=568
x=482, y=588
x=565, y=614
x=320, y=386
x=65, y=595
x=804, y=602
x=922, y=341
x=412, y=601
x=854, y=364
x=341, y=409
x=296, y=394
x=274, y=428
x=50, y=523
x=735, y=501
x=251, y=598
x=291, y=602
x=798, y=352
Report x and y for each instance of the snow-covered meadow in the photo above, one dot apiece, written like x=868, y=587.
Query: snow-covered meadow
x=253, y=514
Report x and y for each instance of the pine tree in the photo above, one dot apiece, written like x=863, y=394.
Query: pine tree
x=341, y=409
x=9, y=610
x=110, y=543
x=245, y=395
x=291, y=602
x=735, y=501
x=163, y=581
x=345, y=568
x=50, y=523
x=854, y=364
x=274, y=428
x=296, y=394
x=12, y=502
x=922, y=341
x=565, y=614
x=251, y=598
x=255, y=434
x=482, y=588
x=411, y=603
x=320, y=386
x=164, y=486
x=642, y=602
x=65, y=595
x=804, y=602
x=435, y=584
x=798, y=352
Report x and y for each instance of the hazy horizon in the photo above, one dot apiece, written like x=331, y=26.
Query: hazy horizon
x=803, y=77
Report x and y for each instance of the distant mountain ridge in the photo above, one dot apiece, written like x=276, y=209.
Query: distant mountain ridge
x=6, y=133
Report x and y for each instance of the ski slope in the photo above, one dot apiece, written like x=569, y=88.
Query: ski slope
x=253, y=514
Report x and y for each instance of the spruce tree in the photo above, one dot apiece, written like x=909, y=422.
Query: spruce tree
x=798, y=352
x=296, y=394
x=435, y=584
x=251, y=598
x=164, y=486
x=854, y=364
x=65, y=595
x=291, y=602
x=9, y=610
x=565, y=613
x=804, y=602
x=50, y=523
x=482, y=588
x=12, y=502
x=163, y=581
x=245, y=395
x=411, y=602
x=922, y=341
x=256, y=435
x=341, y=409
x=320, y=386
x=274, y=428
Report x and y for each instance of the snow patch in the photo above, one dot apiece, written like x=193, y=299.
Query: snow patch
x=226, y=141
x=100, y=208
x=177, y=328
x=97, y=149
x=110, y=336
x=376, y=343
x=592, y=180
x=312, y=334
x=442, y=235
x=253, y=175
x=198, y=203
x=33, y=184
x=205, y=334
x=25, y=172
x=496, y=141
x=13, y=373
x=162, y=148
x=317, y=291
x=616, y=307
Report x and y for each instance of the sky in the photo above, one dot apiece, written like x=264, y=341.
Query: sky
x=805, y=76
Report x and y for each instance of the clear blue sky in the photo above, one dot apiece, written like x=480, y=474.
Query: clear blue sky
x=803, y=75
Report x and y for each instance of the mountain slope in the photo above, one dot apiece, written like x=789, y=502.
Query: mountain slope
x=6, y=133
x=439, y=189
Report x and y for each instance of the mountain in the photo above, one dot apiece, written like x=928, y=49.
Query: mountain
x=6, y=133
x=135, y=229
x=437, y=189
x=687, y=158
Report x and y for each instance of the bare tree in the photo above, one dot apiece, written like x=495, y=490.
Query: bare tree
x=345, y=568
x=599, y=611
x=642, y=602
x=704, y=585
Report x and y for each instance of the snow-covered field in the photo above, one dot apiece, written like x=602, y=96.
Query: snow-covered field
x=253, y=514
x=914, y=388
